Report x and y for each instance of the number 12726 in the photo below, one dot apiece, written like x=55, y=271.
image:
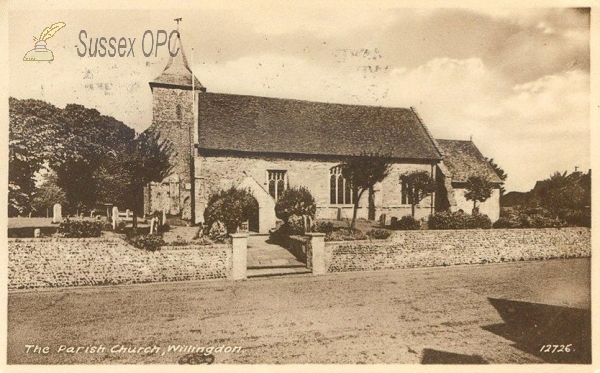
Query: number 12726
x=556, y=348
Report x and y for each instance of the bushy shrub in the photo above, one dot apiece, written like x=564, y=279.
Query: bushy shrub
x=346, y=235
x=539, y=221
x=295, y=225
x=231, y=207
x=295, y=201
x=508, y=222
x=538, y=218
x=150, y=242
x=322, y=227
x=79, y=228
x=578, y=218
x=407, y=223
x=458, y=220
x=378, y=234
x=217, y=232
x=203, y=241
x=532, y=211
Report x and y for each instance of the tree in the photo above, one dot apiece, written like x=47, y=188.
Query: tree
x=363, y=172
x=419, y=184
x=500, y=172
x=231, y=207
x=47, y=195
x=32, y=138
x=90, y=140
x=562, y=191
x=73, y=142
x=295, y=201
x=123, y=174
x=478, y=189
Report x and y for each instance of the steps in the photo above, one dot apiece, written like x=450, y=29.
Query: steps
x=266, y=259
x=278, y=271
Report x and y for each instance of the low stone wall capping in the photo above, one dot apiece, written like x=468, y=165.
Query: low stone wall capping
x=410, y=249
x=58, y=262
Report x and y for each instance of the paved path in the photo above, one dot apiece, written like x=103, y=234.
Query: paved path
x=264, y=254
x=404, y=316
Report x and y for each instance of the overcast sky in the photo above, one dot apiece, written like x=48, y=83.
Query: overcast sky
x=516, y=80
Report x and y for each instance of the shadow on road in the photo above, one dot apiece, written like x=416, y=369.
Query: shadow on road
x=532, y=326
x=431, y=356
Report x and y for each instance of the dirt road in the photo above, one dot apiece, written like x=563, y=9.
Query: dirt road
x=408, y=316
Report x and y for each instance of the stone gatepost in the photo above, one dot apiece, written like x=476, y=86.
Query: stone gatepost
x=315, y=253
x=239, y=259
x=115, y=217
x=57, y=213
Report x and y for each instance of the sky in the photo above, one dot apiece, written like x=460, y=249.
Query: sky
x=516, y=81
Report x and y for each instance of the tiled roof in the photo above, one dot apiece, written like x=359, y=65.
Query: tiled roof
x=178, y=72
x=463, y=159
x=273, y=125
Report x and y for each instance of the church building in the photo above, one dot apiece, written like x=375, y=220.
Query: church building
x=267, y=145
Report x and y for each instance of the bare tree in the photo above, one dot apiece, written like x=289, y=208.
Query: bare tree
x=419, y=185
x=363, y=172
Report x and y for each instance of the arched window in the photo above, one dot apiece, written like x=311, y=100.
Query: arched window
x=340, y=192
x=277, y=182
x=178, y=111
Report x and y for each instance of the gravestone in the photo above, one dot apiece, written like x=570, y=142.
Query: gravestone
x=37, y=233
x=115, y=217
x=152, y=223
x=57, y=213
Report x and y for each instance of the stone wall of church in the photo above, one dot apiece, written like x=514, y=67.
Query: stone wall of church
x=221, y=172
x=172, y=118
x=174, y=127
x=490, y=207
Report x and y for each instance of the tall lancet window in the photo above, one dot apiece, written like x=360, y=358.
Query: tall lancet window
x=277, y=182
x=339, y=188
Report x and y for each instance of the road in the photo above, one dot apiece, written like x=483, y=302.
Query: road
x=413, y=316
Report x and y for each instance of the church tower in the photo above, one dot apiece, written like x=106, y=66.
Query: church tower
x=173, y=119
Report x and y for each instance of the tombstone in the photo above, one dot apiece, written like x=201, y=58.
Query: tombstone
x=37, y=233
x=115, y=217
x=57, y=213
x=152, y=224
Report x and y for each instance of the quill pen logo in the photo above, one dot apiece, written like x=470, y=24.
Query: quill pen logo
x=40, y=52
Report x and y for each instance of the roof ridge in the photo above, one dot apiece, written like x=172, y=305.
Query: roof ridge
x=304, y=100
x=435, y=144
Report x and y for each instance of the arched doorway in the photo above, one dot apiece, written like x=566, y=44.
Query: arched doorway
x=266, y=206
x=253, y=221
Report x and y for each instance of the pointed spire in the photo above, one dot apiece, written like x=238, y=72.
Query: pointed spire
x=177, y=72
